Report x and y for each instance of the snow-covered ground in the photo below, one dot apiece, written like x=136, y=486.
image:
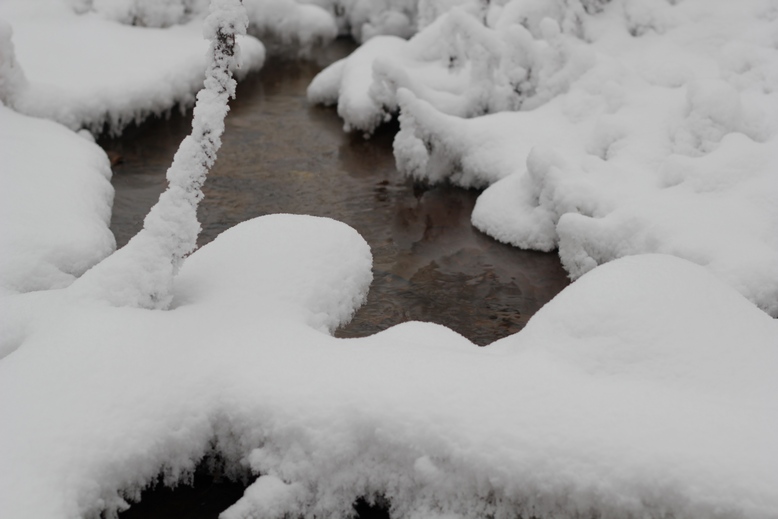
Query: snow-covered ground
x=611, y=130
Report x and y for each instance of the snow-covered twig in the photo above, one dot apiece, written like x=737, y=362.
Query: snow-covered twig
x=141, y=274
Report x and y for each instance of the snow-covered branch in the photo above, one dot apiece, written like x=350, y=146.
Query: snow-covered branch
x=141, y=274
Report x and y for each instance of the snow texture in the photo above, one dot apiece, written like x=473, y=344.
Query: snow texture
x=601, y=129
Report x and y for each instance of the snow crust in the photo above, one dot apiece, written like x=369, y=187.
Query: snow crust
x=601, y=129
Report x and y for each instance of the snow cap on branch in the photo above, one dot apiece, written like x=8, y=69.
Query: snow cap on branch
x=141, y=274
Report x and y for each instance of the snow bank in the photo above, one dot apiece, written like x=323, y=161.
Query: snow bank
x=104, y=74
x=593, y=409
x=55, y=204
x=653, y=125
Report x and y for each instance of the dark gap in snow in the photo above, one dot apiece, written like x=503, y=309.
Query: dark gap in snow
x=210, y=493
x=379, y=509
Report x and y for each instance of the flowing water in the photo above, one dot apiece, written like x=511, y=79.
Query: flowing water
x=281, y=155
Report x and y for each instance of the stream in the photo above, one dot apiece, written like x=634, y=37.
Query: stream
x=281, y=155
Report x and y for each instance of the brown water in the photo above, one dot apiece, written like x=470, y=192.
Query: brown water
x=281, y=155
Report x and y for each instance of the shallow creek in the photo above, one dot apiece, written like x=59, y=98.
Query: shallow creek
x=280, y=155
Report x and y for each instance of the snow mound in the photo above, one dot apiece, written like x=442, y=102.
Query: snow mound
x=328, y=284
x=55, y=204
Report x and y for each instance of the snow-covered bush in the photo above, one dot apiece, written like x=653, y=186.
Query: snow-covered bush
x=649, y=136
x=459, y=65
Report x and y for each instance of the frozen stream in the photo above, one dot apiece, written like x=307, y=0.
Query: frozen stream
x=281, y=155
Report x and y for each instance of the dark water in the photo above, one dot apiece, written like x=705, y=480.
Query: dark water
x=281, y=155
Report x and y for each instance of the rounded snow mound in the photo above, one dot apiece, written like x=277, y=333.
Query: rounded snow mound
x=282, y=264
x=657, y=317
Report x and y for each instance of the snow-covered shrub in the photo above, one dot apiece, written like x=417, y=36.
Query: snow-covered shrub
x=458, y=63
x=638, y=101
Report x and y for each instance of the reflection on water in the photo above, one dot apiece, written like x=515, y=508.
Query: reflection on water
x=281, y=155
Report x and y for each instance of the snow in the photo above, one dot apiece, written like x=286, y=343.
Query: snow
x=55, y=204
x=594, y=406
x=287, y=23
x=637, y=137
x=601, y=129
x=101, y=73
